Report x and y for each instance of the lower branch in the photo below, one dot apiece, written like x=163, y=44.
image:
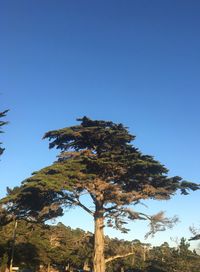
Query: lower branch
x=118, y=256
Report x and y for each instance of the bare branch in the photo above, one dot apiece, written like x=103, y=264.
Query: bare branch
x=110, y=259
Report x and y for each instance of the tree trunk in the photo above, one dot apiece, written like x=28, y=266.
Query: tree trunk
x=99, y=260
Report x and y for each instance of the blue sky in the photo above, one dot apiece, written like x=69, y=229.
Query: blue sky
x=134, y=61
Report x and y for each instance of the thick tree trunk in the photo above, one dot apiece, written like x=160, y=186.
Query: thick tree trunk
x=99, y=260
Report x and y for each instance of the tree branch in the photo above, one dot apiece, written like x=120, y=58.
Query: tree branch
x=78, y=203
x=84, y=207
x=110, y=208
x=110, y=259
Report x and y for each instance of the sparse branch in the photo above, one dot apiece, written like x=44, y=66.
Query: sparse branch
x=116, y=218
x=159, y=222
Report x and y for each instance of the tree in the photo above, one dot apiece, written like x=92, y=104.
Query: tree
x=98, y=159
x=186, y=260
x=25, y=252
x=2, y=123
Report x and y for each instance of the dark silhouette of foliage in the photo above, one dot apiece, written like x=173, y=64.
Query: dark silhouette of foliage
x=196, y=234
x=196, y=237
x=2, y=123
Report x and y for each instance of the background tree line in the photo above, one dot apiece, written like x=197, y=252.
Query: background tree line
x=59, y=246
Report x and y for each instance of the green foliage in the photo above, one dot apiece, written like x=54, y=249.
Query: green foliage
x=180, y=259
x=42, y=244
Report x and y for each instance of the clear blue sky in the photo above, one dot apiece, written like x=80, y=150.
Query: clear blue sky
x=134, y=61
